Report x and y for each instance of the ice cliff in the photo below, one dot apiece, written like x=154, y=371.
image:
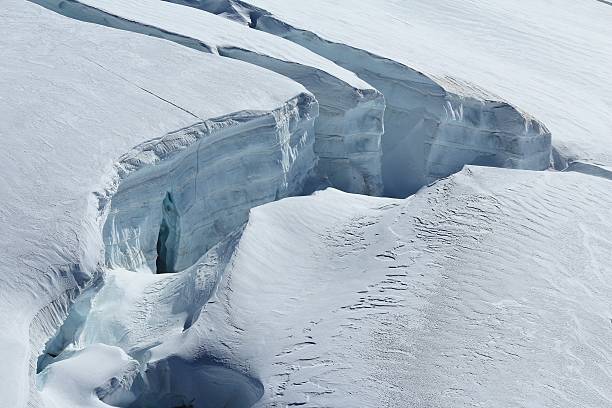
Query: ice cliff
x=349, y=127
x=435, y=122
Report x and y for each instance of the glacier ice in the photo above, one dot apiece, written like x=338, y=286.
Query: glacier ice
x=434, y=122
x=350, y=123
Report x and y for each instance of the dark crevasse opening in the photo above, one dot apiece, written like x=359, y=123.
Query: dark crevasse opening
x=168, y=238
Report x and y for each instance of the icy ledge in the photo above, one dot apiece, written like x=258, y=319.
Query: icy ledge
x=199, y=184
x=433, y=124
x=350, y=124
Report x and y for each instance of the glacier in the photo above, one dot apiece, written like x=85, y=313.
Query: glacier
x=350, y=123
x=163, y=248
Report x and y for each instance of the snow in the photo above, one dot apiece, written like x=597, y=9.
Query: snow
x=105, y=367
x=548, y=58
x=350, y=123
x=488, y=288
x=75, y=98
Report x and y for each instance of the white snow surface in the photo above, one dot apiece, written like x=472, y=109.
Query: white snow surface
x=75, y=98
x=551, y=58
x=134, y=274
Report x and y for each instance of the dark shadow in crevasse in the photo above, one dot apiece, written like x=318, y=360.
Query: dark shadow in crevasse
x=168, y=238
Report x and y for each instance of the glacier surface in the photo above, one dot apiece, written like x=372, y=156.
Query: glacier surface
x=155, y=255
x=490, y=286
x=83, y=107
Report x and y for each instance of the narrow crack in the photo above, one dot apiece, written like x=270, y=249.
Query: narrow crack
x=143, y=89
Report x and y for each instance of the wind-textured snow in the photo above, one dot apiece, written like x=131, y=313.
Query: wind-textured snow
x=82, y=108
x=548, y=58
x=489, y=288
x=350, y=124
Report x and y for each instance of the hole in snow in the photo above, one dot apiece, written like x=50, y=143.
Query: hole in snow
x=168, y=238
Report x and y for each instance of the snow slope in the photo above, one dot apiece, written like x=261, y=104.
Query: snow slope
x=550, y=58
x=83, y=107
x=349, y=126
x=489, y=288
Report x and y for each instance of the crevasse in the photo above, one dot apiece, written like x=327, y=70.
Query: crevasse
x=433, y=125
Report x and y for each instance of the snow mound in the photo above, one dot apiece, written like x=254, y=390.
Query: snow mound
x=350, y=123
x=490, y=286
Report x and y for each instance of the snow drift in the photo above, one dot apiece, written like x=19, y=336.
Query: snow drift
x=468, y=291
x=490, y=286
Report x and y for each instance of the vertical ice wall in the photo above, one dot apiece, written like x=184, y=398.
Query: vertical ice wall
x=433, y=125
x=165, y=216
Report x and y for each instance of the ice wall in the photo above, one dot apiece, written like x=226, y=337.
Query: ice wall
x=433, y=126
x=205, y=190
x=349, y=128
x=171, y=201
